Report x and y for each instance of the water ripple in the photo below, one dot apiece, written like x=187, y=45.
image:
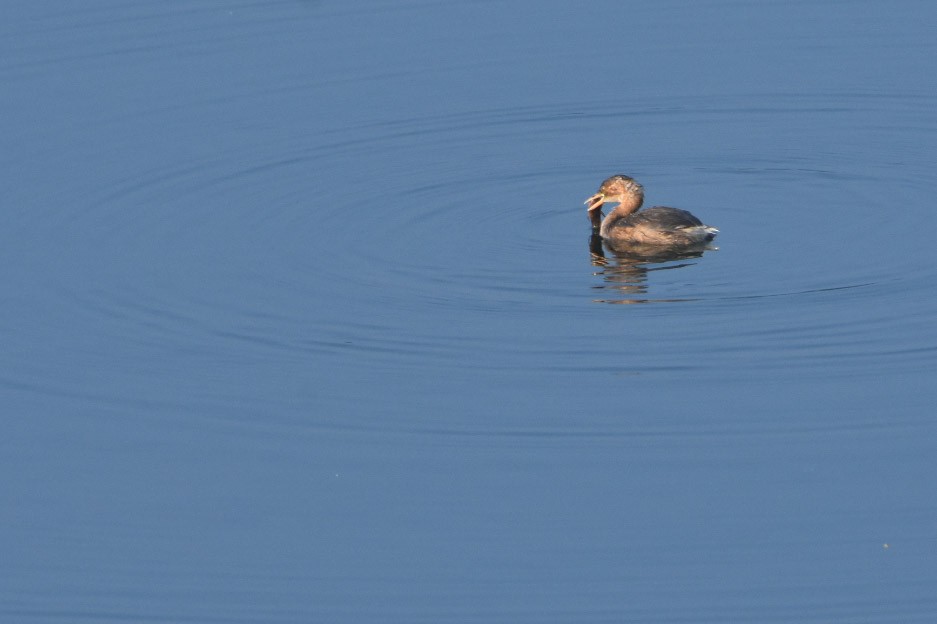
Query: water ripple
x=278, y=250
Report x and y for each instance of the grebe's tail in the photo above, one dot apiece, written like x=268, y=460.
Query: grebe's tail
x=701, y=233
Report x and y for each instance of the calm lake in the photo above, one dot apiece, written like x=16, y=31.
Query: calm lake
x=301, y=322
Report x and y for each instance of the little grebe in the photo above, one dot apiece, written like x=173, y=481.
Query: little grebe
x=654, y=227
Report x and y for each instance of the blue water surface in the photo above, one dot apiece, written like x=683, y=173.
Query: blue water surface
x=301, y=322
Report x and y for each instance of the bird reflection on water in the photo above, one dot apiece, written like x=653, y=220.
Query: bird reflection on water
x=625, y=271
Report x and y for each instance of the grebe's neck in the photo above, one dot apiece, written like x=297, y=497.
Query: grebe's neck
x=628, y=205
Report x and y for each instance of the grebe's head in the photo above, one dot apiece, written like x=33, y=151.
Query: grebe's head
x=618, y=188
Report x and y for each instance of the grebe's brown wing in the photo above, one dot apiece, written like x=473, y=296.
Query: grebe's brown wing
x=665, y=218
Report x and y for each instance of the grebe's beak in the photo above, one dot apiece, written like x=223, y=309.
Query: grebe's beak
x=595, y=201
